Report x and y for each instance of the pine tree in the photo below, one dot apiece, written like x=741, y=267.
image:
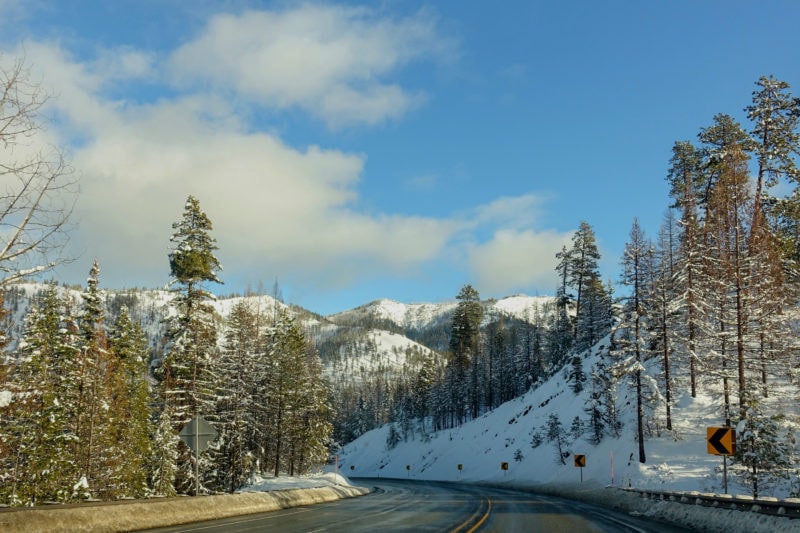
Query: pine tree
x=631, y=340
x=313, y=430
x=38, y=431
x=775, y=114
x=100, y=397
x=560, y=336
x=233, y=455
x=558, y=436
x=577, y=376
x=287, y=352
x=760, y=446
x=133, y=426
x=582, y=264
x=187, y=372
x=772, y=244
x=594, y=407
x=729, y=263
x=663, y=318
x=464, y=346
x=687, y=184
x=421, y=391
x=595, y=319
x=164, y=458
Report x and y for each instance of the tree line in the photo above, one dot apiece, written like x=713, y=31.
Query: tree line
x=85, y=413
x=489, y=357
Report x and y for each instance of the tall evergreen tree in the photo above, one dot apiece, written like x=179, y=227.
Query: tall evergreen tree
x=730, y=265
x=595, y=319
x=560, y=331
x=38, y=431
x=775, y=114
x=288, y=393
x=235, y=410
x=635, y=274
x=663, y=319
x=464, y=346
x=187, y=370
x=133, y=426
x=583, y=268
x=687, y=184
x=100, y=394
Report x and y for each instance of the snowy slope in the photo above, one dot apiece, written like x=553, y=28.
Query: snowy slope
x=373, y=352
x=676, y=460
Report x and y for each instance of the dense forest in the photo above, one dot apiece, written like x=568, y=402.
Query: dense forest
x=92, y=405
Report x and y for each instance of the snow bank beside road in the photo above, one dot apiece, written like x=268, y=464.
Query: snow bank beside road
x=138, y=514
x=694, y=517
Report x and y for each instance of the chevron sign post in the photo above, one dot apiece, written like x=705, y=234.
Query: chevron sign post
x=580, y=462
x=721, y=441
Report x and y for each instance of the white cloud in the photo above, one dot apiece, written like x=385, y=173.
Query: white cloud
x=124, y=63
x=289, y=208
x=512, y=211
x=328, y=60
x=514, y=260
x=276, y=209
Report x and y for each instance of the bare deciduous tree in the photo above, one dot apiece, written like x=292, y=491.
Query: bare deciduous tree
x=37, y=186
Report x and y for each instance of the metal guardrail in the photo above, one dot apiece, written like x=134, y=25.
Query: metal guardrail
x=771, y=506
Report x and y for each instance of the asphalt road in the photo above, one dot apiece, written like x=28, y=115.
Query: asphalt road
x=431, y=506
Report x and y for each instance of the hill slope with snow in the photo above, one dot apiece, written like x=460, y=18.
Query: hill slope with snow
x=515, y=433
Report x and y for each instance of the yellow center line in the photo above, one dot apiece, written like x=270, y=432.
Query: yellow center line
x=483, y=518
x=471, y=518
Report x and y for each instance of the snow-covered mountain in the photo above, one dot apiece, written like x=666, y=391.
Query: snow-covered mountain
x=381, y=335
x=421, y=316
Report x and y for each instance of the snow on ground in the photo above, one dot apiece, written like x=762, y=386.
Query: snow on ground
x=676, y=460
x=262, y=496
x=417, y=316
x=5, y=398
x=523, y=307
x=329, y=479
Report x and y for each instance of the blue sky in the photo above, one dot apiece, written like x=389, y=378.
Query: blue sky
x=395, y=149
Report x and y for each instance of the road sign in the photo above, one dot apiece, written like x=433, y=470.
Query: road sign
x=198, y=434
x=580, y=460
x=460, y=466
x=721, y=440
x=408, y=467
x=504, y=466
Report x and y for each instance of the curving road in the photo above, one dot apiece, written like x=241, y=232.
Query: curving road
x=398, y=505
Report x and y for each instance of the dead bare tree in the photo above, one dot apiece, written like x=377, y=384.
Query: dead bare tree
x=37, y=186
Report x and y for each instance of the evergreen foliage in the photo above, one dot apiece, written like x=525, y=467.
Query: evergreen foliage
x=133, y=428
x=188, y=373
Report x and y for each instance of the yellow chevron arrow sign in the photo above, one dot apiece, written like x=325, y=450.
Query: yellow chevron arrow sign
x=721, y=440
